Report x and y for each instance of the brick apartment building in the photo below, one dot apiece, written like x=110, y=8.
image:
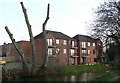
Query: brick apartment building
x=88, y=49
x=80, y=49
x=63, y=49
x=9, y=51
x=58, y=47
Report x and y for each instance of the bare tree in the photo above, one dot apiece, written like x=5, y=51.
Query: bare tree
x=19, y=50
x=107, y=23
x=45, y=38
x=33, y=67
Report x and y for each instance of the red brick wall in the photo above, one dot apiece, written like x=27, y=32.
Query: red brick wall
x=63, y=58
x=91, y=55
x=39, y=43
x=11, y=52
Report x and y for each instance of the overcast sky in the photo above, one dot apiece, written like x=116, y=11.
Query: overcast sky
x=68, y=16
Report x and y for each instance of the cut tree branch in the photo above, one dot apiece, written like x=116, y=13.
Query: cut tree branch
x=45, y=38
x=31, y=38
x=18, y=49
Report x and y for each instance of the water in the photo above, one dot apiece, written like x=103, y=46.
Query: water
x=81, y=77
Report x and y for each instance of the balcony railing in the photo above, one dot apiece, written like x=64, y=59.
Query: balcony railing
x=74, y=55
x=84, y=48
x=85, y=55
x=73, y=47
x=51, y=45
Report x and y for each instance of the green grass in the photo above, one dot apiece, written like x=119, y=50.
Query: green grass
x=105, y=76
x=77, y=69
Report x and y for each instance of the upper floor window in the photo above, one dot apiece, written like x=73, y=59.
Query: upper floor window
x=93, y=44
x=65, y=42
x=84, y=52
x=49, y=41
x=64, y=51
x=57, y=50
x=84, y=45
x=88, y=51
x=73, y=43
x=88, y=43
x=57, y=41
x=72, y=52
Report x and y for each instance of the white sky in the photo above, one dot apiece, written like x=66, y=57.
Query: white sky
x=68, y=16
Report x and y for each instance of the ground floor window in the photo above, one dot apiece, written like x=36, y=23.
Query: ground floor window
x=71, y=60
x=50, y=52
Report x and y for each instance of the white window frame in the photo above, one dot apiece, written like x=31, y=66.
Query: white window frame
x=73, y=43
x=88, y=43
x=64, y=42
x=57, y=41
x=84, y=45
x=64, y=51
x=93, y=44
x=49, y=41
x=50, y=52
x=84, y=52
x=72, y=52
x=57, y=50
x=89, y=51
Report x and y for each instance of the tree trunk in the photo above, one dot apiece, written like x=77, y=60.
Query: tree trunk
x=45, y=39
x=33, y=67
x=18, y=50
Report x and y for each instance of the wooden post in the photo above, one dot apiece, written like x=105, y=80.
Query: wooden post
x=33, y=67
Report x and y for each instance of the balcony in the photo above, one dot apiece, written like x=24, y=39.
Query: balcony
x=51, y=45
x=74, y=47
x=85, y=55
x=84, y=48
x=74, y=55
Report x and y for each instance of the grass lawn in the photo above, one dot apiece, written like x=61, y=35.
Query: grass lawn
x=77, y=69
x=105, y=76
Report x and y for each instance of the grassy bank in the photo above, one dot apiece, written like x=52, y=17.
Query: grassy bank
x=60, y=70
x=77, y=69
x=105, y=76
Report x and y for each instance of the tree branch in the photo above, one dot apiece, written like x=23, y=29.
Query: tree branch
x=17, y=48
x=31, y=38
x=45, y=38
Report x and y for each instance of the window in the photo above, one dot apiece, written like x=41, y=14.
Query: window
x=93, y=44
x=83, y=44
x=64, y=42
x=57, y=41
x=57, y=50
x=64, y=51
x=88, y=43
x=94, y=51
x=72, y=52
x=83, y=52
x=49, y=52
x=72, y=60
x=49, y=41
x=89, y=59
x=73, y=43
x=88, y=51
